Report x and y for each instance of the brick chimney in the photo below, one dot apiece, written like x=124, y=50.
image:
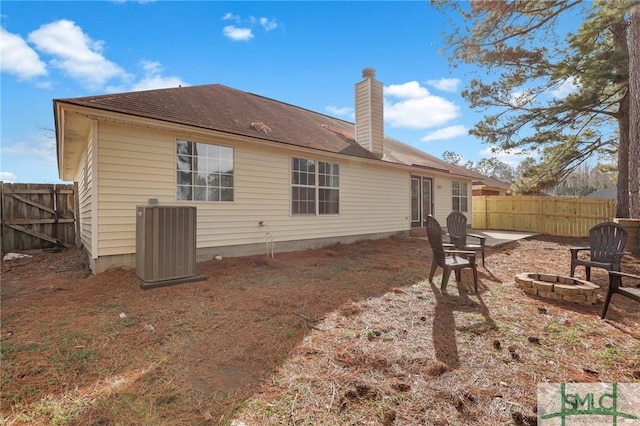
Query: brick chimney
x=369, y=112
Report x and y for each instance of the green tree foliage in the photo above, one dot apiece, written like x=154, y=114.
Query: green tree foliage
x=522, y=168
x=453, y=158
x=583, y=180
x=494, y=168
x=563, y=94
x=491, y=167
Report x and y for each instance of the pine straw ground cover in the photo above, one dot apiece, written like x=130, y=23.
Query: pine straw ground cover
x=349, y=334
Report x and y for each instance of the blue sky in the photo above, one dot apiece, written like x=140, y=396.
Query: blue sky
x=308, y=54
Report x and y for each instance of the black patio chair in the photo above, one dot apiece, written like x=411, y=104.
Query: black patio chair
x=615, y=286
x=457, y=232
x=447, y=257
x=606, y=248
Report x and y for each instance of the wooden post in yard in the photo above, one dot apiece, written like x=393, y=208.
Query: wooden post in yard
x=632, y=226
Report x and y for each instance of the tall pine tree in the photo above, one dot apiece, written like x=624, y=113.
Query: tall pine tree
x=634, y=113
x=561, y=93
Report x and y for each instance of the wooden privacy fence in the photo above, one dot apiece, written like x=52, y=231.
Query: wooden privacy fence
x=561, y=216
x=37, y=216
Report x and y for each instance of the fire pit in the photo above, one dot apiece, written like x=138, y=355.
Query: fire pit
x=557, y=287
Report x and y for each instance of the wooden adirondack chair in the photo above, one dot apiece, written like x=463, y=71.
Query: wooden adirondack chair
x=615, y=286
x=606, y=248
x=457, y=232
x=447, y=257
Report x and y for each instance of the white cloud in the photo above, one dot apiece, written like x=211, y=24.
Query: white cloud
x=449, y=132
x=18, y=58
x=8, y=177
x=510, y=158
x=157, y=82
x=411, y=90
x=33, y=159
x=243, y=28
x=340, y=111
x=152, y=79
x=231, y=17
x=237, y=34
x=40, y=147
x=416, y=108
x=79, y=56
x=565, y=88
x=268, y=24
x=445, y=84
x=151, y=67
x=521, y=98
x=75, y=53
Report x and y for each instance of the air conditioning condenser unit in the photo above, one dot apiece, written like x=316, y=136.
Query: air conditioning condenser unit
x=166, y=245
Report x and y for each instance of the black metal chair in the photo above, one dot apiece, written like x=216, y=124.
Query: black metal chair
x=606, y=248
x=615, y=286
x=457, y=232
x=449, y=260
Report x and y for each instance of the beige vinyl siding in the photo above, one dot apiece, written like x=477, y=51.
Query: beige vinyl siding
x=369, y=126
x=263, y=193
x=377, y=126
x=443, y=203
x=84, y=178
x=362, y=129
x=136, y=164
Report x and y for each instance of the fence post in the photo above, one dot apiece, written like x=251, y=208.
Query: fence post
x=1, y=215
x=486, y=213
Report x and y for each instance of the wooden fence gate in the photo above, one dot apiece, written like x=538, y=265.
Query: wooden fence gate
x=37, y=216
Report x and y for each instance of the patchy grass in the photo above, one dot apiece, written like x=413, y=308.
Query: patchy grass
x=350, y=334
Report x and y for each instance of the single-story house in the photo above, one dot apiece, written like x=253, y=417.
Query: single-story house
x=487, y=185
x=249, y=165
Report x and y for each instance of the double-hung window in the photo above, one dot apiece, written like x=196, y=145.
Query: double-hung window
x=459, y=196
x=315, y=187
x=204, y=172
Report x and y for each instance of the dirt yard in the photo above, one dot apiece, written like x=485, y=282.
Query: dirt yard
x=350, y=334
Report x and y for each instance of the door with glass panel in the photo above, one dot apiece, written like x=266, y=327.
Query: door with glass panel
x=421, y=200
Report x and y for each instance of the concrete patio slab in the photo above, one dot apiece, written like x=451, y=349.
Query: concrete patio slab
x=498, y=238
x=494, y=238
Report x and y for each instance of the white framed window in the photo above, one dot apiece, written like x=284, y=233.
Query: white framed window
x=204, y=172
x=315, y=187
x=460, y=196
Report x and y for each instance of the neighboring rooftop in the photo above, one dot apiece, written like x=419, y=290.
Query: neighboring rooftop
x=491, y=182
x=608, y=193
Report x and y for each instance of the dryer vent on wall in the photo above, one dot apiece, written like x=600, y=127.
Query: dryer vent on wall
x=165, y=243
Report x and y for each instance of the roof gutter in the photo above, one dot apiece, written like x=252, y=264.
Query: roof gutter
x=58, y=127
